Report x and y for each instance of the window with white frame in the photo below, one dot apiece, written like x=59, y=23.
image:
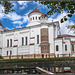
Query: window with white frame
x=10, y=52
x=72, y=47
x=26, y=40
x=7, y=43
x=22, y=40
x=7, y=53
x=65, y=47
x=57, y=48
x=10, y=42
x=37, y=39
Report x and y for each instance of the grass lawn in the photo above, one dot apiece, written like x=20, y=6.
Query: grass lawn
x=39, y=59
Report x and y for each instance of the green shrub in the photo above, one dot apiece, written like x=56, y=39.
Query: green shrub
x=1, y=57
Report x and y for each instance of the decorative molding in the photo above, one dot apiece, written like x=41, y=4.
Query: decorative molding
x=32, y=43
x=9, y=34
x=15, y=40
x=24, y=32
x=32, y=37
x=15, y=45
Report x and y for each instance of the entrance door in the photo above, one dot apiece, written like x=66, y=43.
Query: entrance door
x=42, y=55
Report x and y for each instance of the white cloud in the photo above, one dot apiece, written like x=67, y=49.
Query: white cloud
x=17, y=22
x=41, y=7
x=13, y=16
x=1, y=11
x=63, y=25
x=23, y=4
x=15, y=5
x=22, y=7
x=17, y=26
x=9, y=28
x=64, y=29
x=25, y=19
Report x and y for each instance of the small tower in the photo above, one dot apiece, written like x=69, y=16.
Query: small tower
x=34, y=17
x=44, y=18
x=45, y=46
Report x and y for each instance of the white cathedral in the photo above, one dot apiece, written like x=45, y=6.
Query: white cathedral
x=38, y=39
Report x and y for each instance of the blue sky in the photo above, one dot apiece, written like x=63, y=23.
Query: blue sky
x=20, y=15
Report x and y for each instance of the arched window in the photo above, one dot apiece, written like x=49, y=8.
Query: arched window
x=10, y=42
x=37, y=39
x=26, y=39
x=33, y=18
x=72, y=47
x=36, y=17
x=22, y=40
x=30, y=19
x=7, y=53
x=65, y=47
x=42, y=55
x=39, y=18
x=7, y=43
x=10, y=52
x=57, y=48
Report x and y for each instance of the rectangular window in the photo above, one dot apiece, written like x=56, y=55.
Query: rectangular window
x=65, y=47
x=10, y=42
x=22, y=40
x=37, y=39
x=10, y=52
x=57, y=48
x=26, y=41
x=72, y=47
x=7, y=53
x=7, y=43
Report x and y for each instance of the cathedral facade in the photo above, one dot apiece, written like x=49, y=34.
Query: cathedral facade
x=38, y=39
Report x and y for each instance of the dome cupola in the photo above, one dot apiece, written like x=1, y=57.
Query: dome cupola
x=43, y=18
x=34, y=17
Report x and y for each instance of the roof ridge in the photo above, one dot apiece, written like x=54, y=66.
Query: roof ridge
x=35, y=10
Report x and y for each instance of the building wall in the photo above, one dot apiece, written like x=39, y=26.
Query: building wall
x=16, y=35
x=32, y=47
x=51, y=38
x=61, y=42
x=1, y=42
x=73, y=42
x=35, y=21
